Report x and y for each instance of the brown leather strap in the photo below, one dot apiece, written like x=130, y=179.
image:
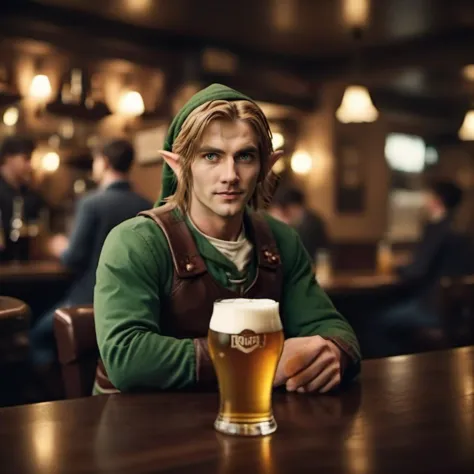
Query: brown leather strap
x=268, y=253
x=204, y=368
x=187, y=261
x=191, y=299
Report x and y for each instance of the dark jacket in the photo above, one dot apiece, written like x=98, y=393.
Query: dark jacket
x=440, y=252
x=312, y=232
x=96, y=215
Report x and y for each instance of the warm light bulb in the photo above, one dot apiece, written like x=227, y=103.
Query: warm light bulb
x=301, y=162
x=278, y=140
x=50, y=162
x=138, y=6
x=466, y=132
x=468, y=72
x=356, y=12
x=67, y=129
x=40, y=88
x=356, y=106
x=11, y=115
x=131, y=103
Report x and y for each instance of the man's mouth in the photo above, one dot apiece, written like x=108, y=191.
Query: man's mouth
x=230, y=194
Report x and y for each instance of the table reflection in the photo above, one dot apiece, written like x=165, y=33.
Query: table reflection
x=259, y=452
x=43, y=436
x=358, y=448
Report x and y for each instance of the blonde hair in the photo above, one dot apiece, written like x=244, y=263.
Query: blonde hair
x=188, y=140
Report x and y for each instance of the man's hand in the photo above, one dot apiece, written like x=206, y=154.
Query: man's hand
x=57, y=245
x=310, y=364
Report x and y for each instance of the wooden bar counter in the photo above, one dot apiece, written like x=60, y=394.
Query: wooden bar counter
x=407, y=414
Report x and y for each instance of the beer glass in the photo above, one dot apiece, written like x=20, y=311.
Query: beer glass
x=245, y=343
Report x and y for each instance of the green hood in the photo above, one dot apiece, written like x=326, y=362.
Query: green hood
x=213, y=92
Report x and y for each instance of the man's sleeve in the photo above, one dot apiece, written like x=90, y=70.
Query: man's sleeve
x=81, y=241
x=307, y=310
x=127, y=308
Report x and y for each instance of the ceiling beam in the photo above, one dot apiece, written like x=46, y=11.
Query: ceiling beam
x=452, y=48
x=170, y=52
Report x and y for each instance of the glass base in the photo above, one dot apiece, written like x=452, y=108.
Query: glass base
x=262, y=428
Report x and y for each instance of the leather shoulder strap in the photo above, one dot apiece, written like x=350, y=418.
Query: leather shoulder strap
x=186, y=258
x=267, y=249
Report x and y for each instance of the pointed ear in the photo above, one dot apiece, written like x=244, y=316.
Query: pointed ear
x=274, y=157
x=172, y=159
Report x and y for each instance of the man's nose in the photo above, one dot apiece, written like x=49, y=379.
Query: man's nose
x=230, y=174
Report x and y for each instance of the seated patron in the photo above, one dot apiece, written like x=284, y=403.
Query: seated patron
x=15, y=185
x=440, y=252
x=160, y=273
x=97, y=214
x=289, y=206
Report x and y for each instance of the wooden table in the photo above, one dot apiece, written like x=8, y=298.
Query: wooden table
x=356, y=283
x=32, y=270
x=408, y=414
x=41, y=283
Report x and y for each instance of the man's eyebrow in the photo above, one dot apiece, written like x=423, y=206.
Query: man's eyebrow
x=248, y=149
x=218, y=151
x=210, y=149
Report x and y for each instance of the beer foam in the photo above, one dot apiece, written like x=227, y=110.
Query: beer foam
x=232, y=316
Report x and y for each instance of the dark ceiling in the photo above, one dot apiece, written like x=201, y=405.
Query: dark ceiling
x=411, y=57
x=306, y=28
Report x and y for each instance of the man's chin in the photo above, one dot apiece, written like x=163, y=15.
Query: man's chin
x=229, y=210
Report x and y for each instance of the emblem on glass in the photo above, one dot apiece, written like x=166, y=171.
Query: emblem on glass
x=245, y=344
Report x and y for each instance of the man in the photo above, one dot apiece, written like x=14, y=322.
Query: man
x=289, y=206
x=437, y=253
x=97, y=213
x=440, y=252
x=160, y=273
x=15, y=178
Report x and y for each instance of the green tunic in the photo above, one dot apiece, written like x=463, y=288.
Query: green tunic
x=134, y=278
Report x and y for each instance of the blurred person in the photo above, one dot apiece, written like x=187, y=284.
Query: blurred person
x=15, y=181
x=289, y=206
x=160, y=273
x=441, y=252
x=97, y=213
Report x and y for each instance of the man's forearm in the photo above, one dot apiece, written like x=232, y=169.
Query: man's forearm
x=149, y=360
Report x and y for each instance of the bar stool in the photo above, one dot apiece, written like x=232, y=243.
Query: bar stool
x=14, y=324
x=14, y=347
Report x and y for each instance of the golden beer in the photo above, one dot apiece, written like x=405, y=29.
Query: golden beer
x=245, y=344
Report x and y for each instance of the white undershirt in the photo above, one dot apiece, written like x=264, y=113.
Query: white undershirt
x=239, y=251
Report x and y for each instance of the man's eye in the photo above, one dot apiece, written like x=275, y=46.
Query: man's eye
x=210, y=156
x=245, y=157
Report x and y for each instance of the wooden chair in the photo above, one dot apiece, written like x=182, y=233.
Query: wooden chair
x=78, y=353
